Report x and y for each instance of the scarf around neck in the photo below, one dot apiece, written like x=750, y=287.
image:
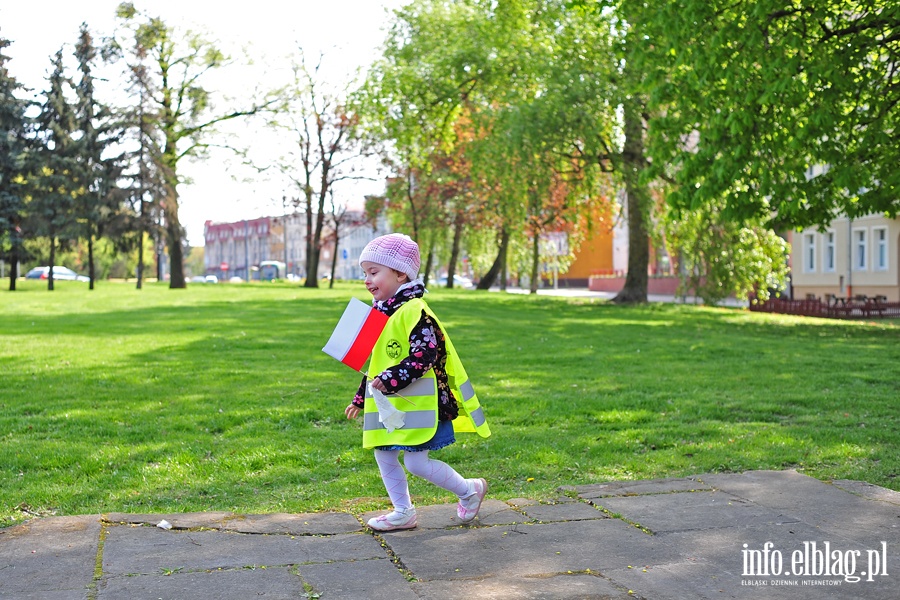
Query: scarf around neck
x=406, y=292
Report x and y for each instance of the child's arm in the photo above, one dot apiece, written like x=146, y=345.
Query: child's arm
x=358, y=402
x=424, y=352
x=359, y=399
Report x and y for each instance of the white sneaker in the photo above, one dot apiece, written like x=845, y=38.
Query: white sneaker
x=468, y=507
x=397, y=519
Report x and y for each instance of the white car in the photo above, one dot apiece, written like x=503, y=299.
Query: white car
x=59, y=274
x=458, y=282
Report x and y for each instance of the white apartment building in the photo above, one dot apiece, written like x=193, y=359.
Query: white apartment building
x=850, y=257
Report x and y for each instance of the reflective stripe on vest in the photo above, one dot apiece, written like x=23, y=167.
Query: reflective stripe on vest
x=420, y=387
x=477, y=416
x=414, y=419
x=467, y=390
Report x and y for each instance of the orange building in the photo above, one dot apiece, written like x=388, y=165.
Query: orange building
x=593, y=257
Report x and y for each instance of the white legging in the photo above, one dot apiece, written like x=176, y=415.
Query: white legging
x=394, y=477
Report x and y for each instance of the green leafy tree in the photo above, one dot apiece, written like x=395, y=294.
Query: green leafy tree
x=184, y=118
x=786, y=110
x=525, y=73
x=14, y=131
x=719, y=256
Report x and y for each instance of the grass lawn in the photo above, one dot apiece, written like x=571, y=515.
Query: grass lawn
x=219, y=397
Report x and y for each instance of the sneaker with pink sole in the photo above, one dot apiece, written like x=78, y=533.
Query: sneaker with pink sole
x=397, y=519
x=468, y=507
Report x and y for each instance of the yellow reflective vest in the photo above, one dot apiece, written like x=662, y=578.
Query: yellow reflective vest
x=419, y=400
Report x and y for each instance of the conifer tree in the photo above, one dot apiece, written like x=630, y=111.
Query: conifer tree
x=55, y=185
x=13, y=145
x=98, y=202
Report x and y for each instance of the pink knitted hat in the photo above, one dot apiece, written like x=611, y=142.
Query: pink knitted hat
x=394, y=250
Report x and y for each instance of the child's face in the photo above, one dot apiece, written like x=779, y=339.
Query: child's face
x=381, y=281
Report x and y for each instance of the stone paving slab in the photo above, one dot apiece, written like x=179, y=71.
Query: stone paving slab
x=569, y=511
x=329, y=523
x=529, y=550
x=634, y=488
x=441, y=516
x=195, y=520
x=150, y=550
x=326, y=523
x=276, y=583
x=558, y=587
x=815, y=502
x=867, y=490
x=376, y=579
x=51, y=558
x=683, y=511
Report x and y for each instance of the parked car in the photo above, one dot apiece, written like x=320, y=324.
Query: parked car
x=458, y=282
x=212, y=279
x=198, y=279
x=59, y=274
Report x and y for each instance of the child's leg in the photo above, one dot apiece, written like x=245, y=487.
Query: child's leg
x=394, y=478
x=439, y=473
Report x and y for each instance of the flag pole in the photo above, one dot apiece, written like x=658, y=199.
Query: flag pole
x=366, y=375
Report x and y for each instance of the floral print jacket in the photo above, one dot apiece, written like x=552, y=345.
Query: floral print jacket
x=426, y=351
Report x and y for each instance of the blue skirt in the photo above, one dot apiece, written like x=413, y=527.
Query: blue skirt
x=442, y=438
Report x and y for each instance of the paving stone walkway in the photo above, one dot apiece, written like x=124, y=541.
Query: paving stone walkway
x=760, y=534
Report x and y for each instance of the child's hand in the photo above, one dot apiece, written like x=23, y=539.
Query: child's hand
x=352, y=411
x=378, y=384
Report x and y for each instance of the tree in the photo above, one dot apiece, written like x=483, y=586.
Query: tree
x=99, y=202
x=719, y=256
x=323, y=154
x=14, y=129
x=536, y=79
x=342, y=220
x=429, y=75
x=55, y=186
x=184, y=119
x=787, y=111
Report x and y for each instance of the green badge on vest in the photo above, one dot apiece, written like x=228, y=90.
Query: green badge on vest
x=393, y=349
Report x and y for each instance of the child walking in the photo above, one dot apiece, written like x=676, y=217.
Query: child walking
x=415, y=364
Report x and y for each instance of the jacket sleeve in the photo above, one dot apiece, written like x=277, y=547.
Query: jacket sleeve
x=359, y=399
x=423, y=355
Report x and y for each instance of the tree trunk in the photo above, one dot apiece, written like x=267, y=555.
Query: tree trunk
x=429, y=262
x=91, y=261
x=140, y=265
x=315, y=246
x=334, y=259
x=491, y=276
x=52, y=262
x=535, y=262
x=454, y=251
x=638, y=206
x=504, y=268
x=174, y=239
x=13, y=262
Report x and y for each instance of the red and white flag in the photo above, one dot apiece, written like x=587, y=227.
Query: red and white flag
x=356, y=333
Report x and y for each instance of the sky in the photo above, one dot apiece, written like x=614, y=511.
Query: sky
x=347, y=33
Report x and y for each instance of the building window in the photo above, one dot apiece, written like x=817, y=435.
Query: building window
x=881, y=248
x=860, y=260
x=829, y=259
x=809, y=252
